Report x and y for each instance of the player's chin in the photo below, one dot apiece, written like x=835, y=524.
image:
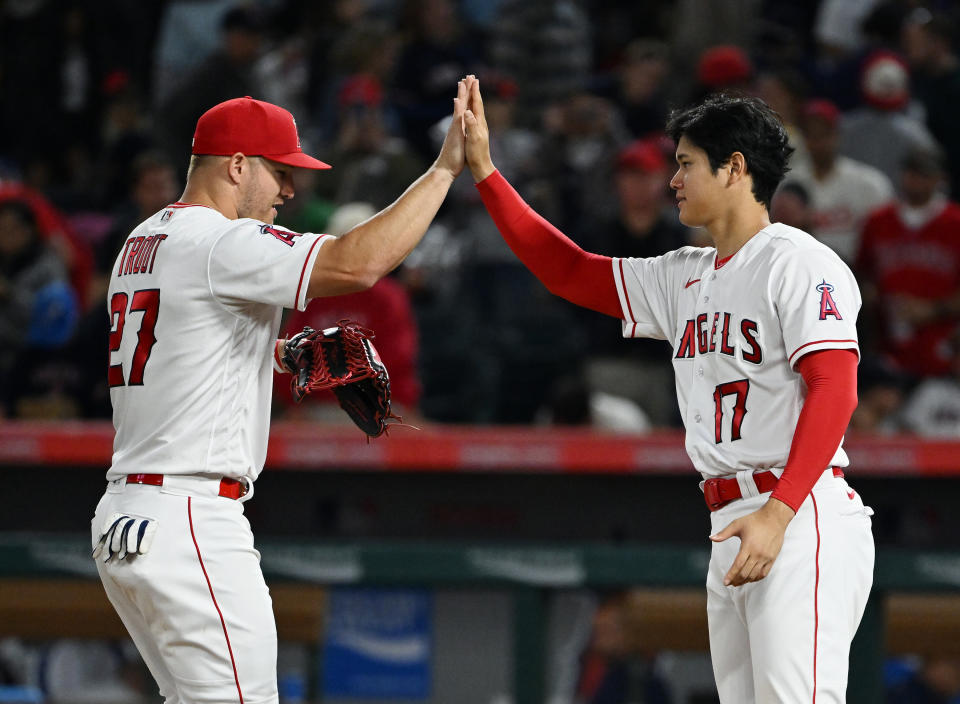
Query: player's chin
x=688, y=217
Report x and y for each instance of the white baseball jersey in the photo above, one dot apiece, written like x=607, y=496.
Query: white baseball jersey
x=195, y=301
x=736, y=333
x=842, y=200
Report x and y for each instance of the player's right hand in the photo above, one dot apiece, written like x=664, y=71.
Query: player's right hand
x=451, y=156
x=477, y=133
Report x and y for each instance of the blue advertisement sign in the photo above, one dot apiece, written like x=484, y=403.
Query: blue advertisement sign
x=378, y=644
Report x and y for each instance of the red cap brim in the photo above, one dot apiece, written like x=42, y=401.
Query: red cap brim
x=299, y=159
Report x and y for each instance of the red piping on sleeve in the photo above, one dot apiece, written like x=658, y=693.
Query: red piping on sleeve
x=626, y=297
x=296, y=301
x=818, y=342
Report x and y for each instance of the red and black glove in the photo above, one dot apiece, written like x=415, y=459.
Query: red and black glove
x=342, y=358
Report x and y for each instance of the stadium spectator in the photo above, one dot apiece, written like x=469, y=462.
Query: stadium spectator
x=637, y=86
x=842, y=191
x=545, y=47
x=839, y=25
x=584, y=134
x=38, y=309
x=126, y=132
x=933, y=408
x=229, y=72
x=791, y=206
x=909, y=268
x=56, y=231
x=431, y=59
x=785, y=91
x=365, y=46
x=882, y=130
x=641, y=225
x=153, y=183
x=187, y=35
x=613, y=668
x=928, y=44
x=724, y=68
x=372, y=164
x=696, y=27
x=589, y=78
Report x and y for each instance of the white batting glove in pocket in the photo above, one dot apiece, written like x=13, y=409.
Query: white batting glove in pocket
x=124, y=535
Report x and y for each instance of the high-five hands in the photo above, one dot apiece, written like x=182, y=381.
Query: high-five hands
x=451, y=157
x=761, y=537
x=476, y=133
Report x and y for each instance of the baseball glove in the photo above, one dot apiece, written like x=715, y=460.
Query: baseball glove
x=342, y=358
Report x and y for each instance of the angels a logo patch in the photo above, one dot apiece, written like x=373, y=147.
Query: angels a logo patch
x=285, y=236
x=827, y=305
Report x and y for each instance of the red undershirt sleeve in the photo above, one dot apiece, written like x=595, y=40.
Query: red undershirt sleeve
x=564, y=268
x=831, y=378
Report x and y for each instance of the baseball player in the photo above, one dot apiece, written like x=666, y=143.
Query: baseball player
x=195, y=301
x=762, y=333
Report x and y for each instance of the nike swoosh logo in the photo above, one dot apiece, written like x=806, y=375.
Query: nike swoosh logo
x=691, y=282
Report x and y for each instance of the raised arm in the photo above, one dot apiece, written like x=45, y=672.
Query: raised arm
x=566, y=270
x=359, y=258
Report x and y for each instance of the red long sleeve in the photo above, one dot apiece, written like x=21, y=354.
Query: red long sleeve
x=564, y=268
x=831, y=377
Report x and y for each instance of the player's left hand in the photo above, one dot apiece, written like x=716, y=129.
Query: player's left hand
x=761, y=537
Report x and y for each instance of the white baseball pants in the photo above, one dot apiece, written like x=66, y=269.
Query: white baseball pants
x=786, y=639
x=196, y=604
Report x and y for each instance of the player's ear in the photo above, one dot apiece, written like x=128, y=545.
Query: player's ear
x=236, y=166
x=737, y=165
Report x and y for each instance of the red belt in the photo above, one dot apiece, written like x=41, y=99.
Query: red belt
x=229, y=488
x=720, y=491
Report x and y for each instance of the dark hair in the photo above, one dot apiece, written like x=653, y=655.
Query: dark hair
x=797, y=189
x=924, y=160
x=147, y=161
x=723, y=124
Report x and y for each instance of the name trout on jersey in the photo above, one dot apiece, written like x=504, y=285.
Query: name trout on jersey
x=139, y=255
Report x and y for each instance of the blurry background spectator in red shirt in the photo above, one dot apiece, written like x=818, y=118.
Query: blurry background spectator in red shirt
x=909, y=270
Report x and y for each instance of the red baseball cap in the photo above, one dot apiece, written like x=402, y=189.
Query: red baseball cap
x=823, y=109
x=252, y=127
x=641, y=155
x=723, y=65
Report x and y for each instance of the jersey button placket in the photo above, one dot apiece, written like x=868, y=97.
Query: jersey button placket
x=699, y=380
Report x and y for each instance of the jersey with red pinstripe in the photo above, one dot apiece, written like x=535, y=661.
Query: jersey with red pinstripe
x=737, y=328
x=195, y=301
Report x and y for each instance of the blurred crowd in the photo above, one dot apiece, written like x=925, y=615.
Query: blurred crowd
x=98, y=102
